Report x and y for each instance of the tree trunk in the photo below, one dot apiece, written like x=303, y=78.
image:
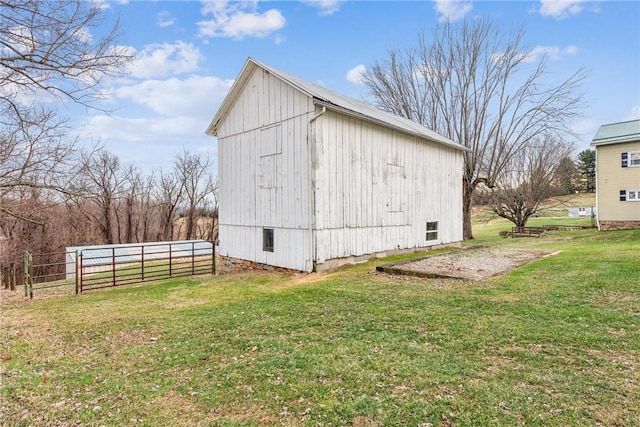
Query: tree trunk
x=190, y=217
x=107, y=232
x=467, y=193
x=129, y=220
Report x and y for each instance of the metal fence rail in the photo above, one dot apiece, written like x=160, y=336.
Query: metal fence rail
x=154, y=262
x=96, y=267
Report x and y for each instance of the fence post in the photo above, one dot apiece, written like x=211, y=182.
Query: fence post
x=193, y=258
x=76, y=270
x=28, y=274
x=81, y=270
x=213, y=258
x=170, y=258
x=142, y=269
x=25, y=269
x=113, y=265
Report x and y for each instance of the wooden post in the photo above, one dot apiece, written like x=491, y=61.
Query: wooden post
x=25, y=274
x=142, y=267
x=31, y=276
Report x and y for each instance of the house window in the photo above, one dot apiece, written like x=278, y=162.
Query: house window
x=267, y=239
x=432, y=230
x=630, y=160
x=633, y=196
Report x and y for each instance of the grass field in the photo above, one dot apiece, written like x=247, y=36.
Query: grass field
x=553, y=343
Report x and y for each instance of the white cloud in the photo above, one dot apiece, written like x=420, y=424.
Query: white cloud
x=355, y=74
x=560, y=9
x=164, y=19
x=325, y=7
x=163, y=130
x=158, y=60
x=452, y=10
x=196, y=96
x=162, y=116
x=555, y=53
x=238, y=20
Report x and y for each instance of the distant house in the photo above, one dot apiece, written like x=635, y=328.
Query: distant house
x=617, y=148
x=310, y=179
x=582, y=211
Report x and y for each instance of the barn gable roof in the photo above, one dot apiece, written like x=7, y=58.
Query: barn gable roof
x=331, y=100
x=615, y=133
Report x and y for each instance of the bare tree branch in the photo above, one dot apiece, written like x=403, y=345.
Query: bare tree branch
x=476, y=86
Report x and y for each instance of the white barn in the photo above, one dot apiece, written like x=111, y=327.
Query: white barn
x=310, y=179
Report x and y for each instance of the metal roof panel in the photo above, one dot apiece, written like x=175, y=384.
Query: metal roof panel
x=329, y=98
x=614, y=133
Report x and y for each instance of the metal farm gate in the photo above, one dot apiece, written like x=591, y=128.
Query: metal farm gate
x=87, y=268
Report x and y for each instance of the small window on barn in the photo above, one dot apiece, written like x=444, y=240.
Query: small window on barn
x=267, y=239
x=634, y=159
x=432, y=230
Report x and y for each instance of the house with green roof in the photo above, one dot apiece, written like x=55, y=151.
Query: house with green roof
x=617, y=148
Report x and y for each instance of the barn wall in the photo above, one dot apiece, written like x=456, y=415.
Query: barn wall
x=375, y=189
x=264, y=174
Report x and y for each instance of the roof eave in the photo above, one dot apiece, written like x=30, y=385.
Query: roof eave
x=232, y=95
x=370, y=119
x=615, y=141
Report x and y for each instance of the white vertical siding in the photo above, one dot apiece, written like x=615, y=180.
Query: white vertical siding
x=376, y=188
x=264, y=175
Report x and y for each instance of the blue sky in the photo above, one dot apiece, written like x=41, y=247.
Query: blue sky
x=188, y=53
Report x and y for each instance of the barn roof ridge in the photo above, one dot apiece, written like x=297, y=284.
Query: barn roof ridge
x=332, y=100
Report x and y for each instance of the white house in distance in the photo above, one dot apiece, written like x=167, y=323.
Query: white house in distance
x=310, y=179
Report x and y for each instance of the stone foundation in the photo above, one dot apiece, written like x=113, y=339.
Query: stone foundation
x=228, y=265
x=619, y=225
x=335, y=263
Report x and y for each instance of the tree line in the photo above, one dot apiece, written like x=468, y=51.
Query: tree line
x=106, y=201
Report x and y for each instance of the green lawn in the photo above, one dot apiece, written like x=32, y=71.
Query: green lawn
x=554, y=343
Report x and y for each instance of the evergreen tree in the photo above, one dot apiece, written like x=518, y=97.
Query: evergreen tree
x=587, y=167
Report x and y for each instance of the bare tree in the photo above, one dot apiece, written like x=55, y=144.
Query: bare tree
x=103, y=181
x=195, y=176
x=33, y=154
x=480, y=88
x=48, y=52
x=48, y=47
x=528, y=180
x=51, y=52
x=169, y=195
x=147, y=208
